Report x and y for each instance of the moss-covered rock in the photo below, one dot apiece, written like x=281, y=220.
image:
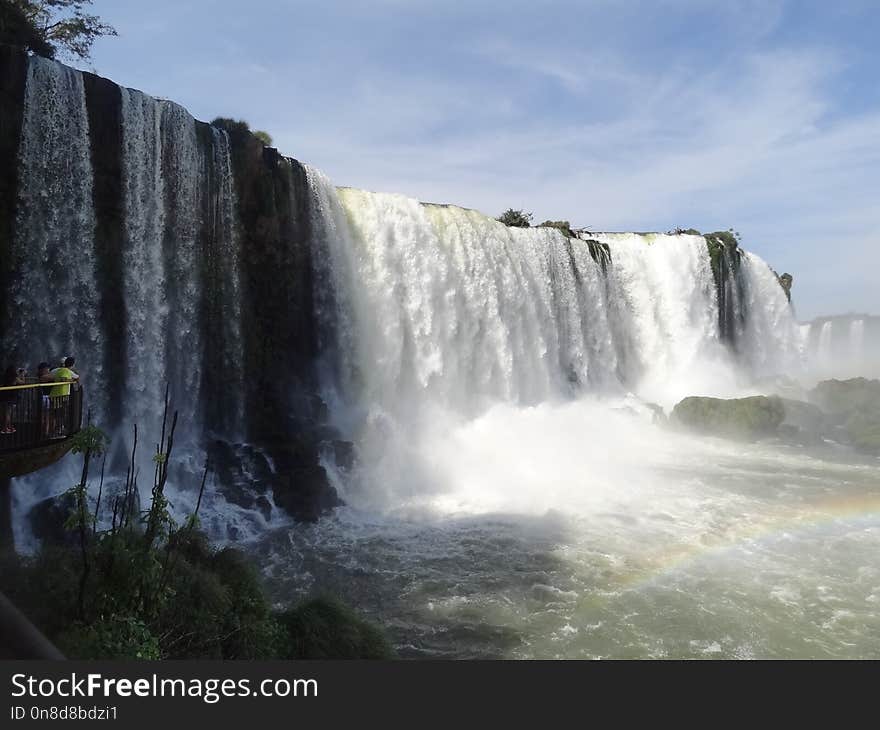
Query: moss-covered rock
x=744, y=418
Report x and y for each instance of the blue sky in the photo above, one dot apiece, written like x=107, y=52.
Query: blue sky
x=762, y=115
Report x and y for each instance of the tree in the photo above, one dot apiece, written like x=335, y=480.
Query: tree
x=264, y=137
x=515, y=218
x=52, y=27
x=239, y=130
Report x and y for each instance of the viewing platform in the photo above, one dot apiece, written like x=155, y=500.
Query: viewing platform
x=36, y=425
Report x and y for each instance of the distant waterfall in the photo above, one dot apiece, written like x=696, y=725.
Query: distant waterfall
x=857, y=339
x=54, y=299
x=844, y=346
x=824, y=351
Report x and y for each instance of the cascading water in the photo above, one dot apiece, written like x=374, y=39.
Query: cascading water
x=222, y=260
x=53, y=298
x=449, y=307
x=771, y=340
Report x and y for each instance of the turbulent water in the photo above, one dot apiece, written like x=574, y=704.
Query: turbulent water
x=512, y=491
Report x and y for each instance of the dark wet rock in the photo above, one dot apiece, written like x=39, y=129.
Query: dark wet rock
x=291, y=471
x=305, y=493
x=48, y=517
x=786, y=281
x=343, y=454
x=742, y=418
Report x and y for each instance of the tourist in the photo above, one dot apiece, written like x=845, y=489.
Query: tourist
x=66, y=375
x=8, y=398
x=45, y=376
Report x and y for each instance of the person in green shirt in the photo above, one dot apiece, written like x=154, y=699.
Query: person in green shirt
x=65, y=375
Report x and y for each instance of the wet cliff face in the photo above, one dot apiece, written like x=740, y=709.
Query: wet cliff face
x=160, y=249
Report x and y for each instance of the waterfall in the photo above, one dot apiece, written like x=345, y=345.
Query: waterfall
x=224, y=311
x=771, y=341
x=857, y=340
x=181, y=263
x=441, y=305
x=425, y=315
x=53, y=297
x=666, y=313
x=442, y=326
x=178, y=272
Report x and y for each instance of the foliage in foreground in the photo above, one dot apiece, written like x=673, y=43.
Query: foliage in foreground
x=148, y=588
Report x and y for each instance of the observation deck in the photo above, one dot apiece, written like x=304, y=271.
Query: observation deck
x=36, y=425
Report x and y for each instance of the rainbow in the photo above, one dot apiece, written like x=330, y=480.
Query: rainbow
x=780, y=520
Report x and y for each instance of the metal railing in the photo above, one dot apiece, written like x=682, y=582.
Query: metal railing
x=37, y=415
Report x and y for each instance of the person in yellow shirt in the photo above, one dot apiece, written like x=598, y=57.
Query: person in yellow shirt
x=64, y=375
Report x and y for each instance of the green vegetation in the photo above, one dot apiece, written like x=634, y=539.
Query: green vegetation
x=264, y=137
x=685, y=232
x=324, y=628
x=563, y=226
x=720, y=242
x=741, y=418
x=239, y=130
x=515, y=218
x=148, y=588
x=51, y=27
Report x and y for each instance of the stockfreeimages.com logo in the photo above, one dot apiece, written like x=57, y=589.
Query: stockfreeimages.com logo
x=208, y=690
